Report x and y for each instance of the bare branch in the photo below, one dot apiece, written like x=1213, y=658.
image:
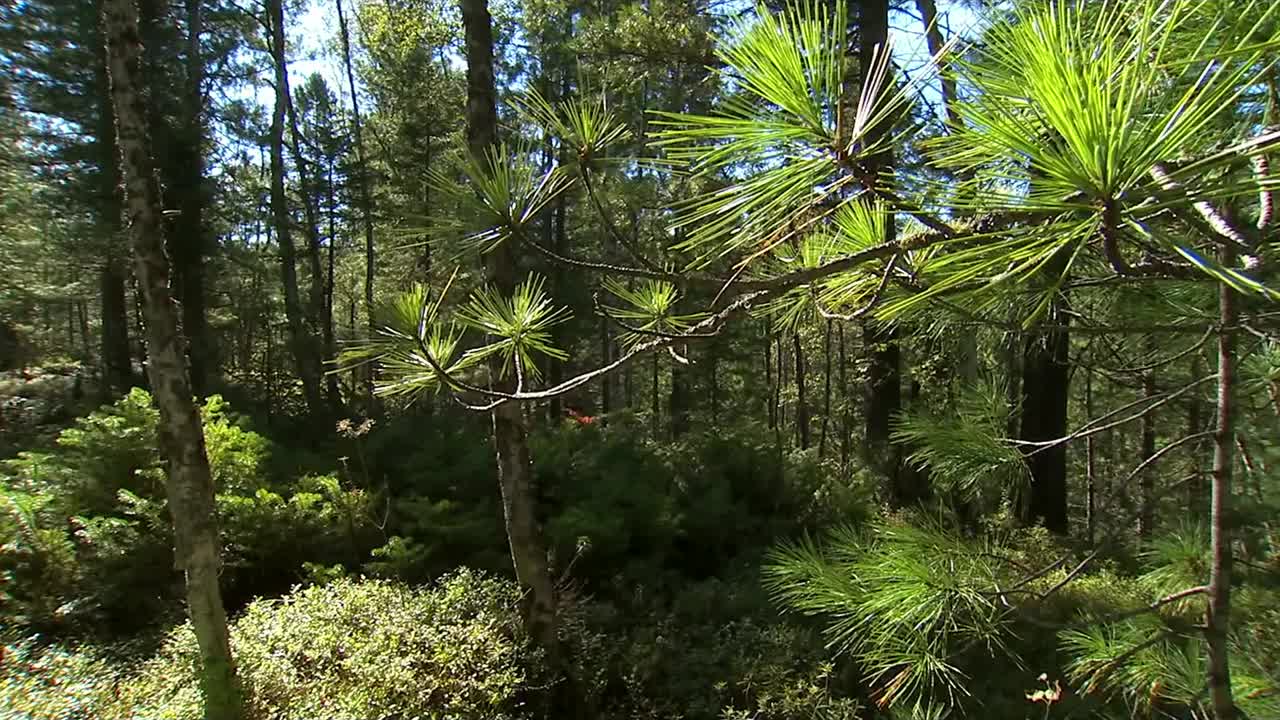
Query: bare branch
x=1090, y=428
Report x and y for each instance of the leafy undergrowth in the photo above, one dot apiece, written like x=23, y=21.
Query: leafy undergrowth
x=375, y=649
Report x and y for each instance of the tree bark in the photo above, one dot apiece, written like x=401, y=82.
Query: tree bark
x=846, y=423
x=366, y=193
x=327, y=335
x=1090, y=465
x=117, y=362
x=680, y=396
x=308, y=186
x=190, y=483
x=802, y=397
x=302, y=342
x=1195, y=424
x=515, y=466
x=1217, y=619
x=884, y=381
x=928, y=10
x=1147, y=479
x=770, y=392
x=826, y=388
x=190, y=241
x=1046, y=374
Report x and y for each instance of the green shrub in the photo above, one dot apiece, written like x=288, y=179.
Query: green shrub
x=719, y=652
x=40, y=683
x=362, y=650
x=85, y=532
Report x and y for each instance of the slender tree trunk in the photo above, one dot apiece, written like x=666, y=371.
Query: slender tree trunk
x=1217, y=620
x=780, y=408
x=826, y=389
x=1147, y=479
x=846, y=422
x=309, y=190
x=655, y=407
x=802, y=397
x=1090, y=465
x=366, y=193
x=515, y=466
x=606, y=356
x=713, y=371
x=190, y=483
x=933, y=38
x=190, y=241
x=884, y=381
x=82, y=314
x=302, y=342
x=679, y=419
x=1046, y=374
x=117, y=362
x=560, y=242
x=1195, y=424
x=770, y=387
x=327, y=334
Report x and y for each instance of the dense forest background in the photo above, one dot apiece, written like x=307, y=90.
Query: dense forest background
x=660, y=359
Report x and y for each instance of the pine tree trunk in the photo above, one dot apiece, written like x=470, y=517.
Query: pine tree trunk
x=1195, y=424
x=606, y=383
x=713, y=372
x=928, y=10
x=190, y=239
x=769, y=380
x=190, y=483
x=1090, y=465
x=846, y=422
x=560, y=243
x=802, y=396
x=327, y=335
x=117, y=363
x=366, y=193
x=308, y=186
x=1046, y=375
x=826, y=389
x=1147, y=479
x=82, y=315
x=1217, y=620
x=884, y=381
x=655, y=406
x=515, y=467
x=680, y=395
x=301, y=341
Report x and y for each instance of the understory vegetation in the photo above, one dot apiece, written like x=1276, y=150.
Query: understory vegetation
x=646, y=360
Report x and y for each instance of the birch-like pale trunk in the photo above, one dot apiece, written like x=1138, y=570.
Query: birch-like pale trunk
x=190, y=483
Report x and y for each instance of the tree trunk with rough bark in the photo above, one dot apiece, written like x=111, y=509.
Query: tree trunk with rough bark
x=1046, y=375
x=190, y=483
x=884, y=378
x=301, y=341
x=117, y=363
x=515, y=465
x=190, y=241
